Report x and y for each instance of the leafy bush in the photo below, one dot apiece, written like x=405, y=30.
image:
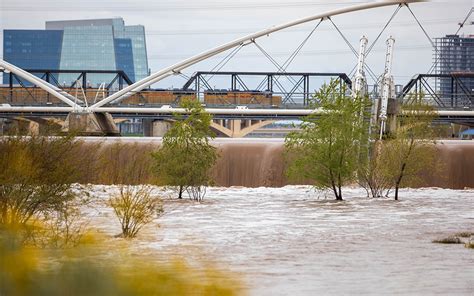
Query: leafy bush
x=135, y=206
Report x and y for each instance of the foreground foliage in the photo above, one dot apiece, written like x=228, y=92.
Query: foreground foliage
x=185, y=157
x=86, y=271
x=327, y=150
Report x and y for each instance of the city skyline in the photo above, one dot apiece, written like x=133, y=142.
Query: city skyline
x=97, y=44
x=175, y=31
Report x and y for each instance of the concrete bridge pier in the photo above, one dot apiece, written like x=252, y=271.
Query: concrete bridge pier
x=21, y=126
x=30, y=125
x=393, y=109
x=155, y=128
x=91, y=124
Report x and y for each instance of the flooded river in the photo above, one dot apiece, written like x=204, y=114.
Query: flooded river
x=293, y=241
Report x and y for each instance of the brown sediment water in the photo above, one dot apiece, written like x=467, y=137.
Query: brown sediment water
x=457, y=166
x=261, y=163
x=250, y=165
x=293, y=241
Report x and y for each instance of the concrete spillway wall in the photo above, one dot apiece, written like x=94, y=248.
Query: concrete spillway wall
x=261, y=163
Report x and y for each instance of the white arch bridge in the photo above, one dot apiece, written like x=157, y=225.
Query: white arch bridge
x=96, y=118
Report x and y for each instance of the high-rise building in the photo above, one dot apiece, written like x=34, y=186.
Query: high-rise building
x=454, y=54
x=98, y=44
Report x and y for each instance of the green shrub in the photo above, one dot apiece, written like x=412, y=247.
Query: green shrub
x=135, y=206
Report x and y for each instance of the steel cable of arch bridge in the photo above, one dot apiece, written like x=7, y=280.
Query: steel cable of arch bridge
x=171, y=70
x=168, y=71
x=281, y=68
x=291, y=58
x=302, y=53
x=354, y=51
x=369, y=50
x=224, y=61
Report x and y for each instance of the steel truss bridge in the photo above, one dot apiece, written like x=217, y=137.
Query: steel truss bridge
x=293, y=100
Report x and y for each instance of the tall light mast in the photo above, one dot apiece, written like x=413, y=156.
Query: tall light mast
x=388, y=86
x=360, y=85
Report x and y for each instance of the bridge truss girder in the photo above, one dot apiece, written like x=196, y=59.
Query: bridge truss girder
x=448, y=91
x=299, y=84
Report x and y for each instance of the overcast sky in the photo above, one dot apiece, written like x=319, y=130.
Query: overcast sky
x=178, y=29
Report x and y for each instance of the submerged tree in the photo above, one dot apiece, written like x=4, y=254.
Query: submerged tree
x=185, y=157
x=327, y=149
x=411, y=150
x=135, y=206
x=36, y=176
x=37, y=192
x=372, y=174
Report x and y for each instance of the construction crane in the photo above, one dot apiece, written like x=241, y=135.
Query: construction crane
x=387, y=85
x=465, y=22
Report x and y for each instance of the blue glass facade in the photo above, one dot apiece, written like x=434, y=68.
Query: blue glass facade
x=88, y=48
x=137, y=36
x=101, y=44
x=32, y=49
x=124, y=56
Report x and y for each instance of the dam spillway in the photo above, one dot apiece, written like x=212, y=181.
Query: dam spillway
x=259, y=162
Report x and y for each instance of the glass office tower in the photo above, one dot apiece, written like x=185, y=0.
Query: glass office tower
x=32, y=49
x=99, y=44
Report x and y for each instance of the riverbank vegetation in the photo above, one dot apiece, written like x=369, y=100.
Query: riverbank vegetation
x=338, y=147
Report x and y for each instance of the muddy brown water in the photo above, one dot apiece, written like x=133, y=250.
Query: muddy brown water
x=293, y=241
